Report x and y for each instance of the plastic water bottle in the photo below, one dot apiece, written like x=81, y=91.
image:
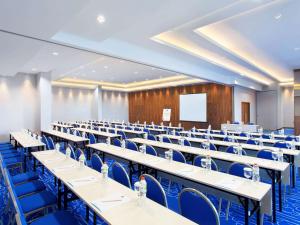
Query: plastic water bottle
x=261, y=141
x=194, y=129
x=68, y=131
x=239, y=150
x=189, y=134
x=208, y=162
x=143, y=187
x=68, y=153
x=181, y=141
x=142, y=149
x=57, y=147
x=81, y=160
x=280, y=155
x=104, y=170
x=146, y=135
x=293, y=144
x=108, y=140
x=123, y=144
x=255, y=177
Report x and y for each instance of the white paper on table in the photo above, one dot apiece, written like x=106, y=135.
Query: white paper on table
x=82, y=181
x=53, y=160
x=186, y=171
x=110, y=201
x=230, y=183
x=49, y=152
x=61, y=168
x=154, y=161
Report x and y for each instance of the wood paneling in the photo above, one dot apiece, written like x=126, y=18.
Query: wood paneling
x=297, y=125
x=245, y=112
x=148, y=105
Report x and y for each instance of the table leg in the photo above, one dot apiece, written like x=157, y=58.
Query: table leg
x=293, y=172
x=65, y=197
x=280, y=192
x=273, y=197
x=87, y=213
x=246, y=211
x=34, y=164
x=258, y=214
x=59, y=194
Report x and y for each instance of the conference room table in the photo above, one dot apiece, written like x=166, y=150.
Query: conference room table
x=66, y=138
x=277, y=171
x=240, y=127
x=27, y=143
x=292, y=156
x=54, y=125
x=97, y=194
x=128, y=133
x=98, y=134
x=223, y=185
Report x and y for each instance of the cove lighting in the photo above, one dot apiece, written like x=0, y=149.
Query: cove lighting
x=101, y=19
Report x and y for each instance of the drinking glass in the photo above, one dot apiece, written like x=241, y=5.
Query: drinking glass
x=203, y=163
x=274, y=155
x=248, y=172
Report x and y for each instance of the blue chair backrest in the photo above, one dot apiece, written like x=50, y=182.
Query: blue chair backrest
x=227, y=139
x=92, y=138
x=150, y=150
x=146, y=130
x=243, y=134
x=236, y=122
x=266, y=136
x=237, y=169
x=45, y=141
x=290, y=138
x=178, y=156
x=116, y=142
x=197, y=162
x=131, y=145
x=78, y=152
x=166, y=140
x=265, y=154
x=155, y=191
x=177, y=133
x=281, y=144
x=73, y=155
x=251, y=142
x=96, y=162
x=186, y=143
x=112, y=131
x=230, y=149
x=65, y=130
x=122, y=133
x=120, y=175
x=151, y=137
x=50, y=143
x=197, y=207
x=211, y=146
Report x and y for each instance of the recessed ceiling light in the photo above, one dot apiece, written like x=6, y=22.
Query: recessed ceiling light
x=105, y=67
x=33, y=69
x=235, y=81
x=136, y=72
x=93, y=71
x=100, y=19
x=121, y=61
x=278, y=16
x=55, y=53
x=297, y=49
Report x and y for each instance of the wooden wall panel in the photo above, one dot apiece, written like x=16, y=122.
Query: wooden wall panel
x=148, y=105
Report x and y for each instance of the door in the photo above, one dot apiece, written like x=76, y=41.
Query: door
x=245, y=112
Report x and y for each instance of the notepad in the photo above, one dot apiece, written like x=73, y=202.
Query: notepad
x=53, y=160
x=82, y=181
x=230, y=183
x=61, y=168
x=109, y=202
x=186, y=171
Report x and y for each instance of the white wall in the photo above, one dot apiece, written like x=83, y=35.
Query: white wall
x=115, y=105
x=287, y=107
x=19, y=104
x=244, y=95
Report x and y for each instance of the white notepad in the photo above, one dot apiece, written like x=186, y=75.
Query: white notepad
x=109, y=202
x=82, y=181
x=61, y=168
x=230, y=183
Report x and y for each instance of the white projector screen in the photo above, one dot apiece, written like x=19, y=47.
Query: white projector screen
x=193, y=107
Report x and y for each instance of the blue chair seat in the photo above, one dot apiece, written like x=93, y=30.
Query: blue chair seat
x=10, y=155
x=37, y=201
x=57, y=218
x=29, y=188
x=7, y=151
x=24, y=177
x=13, y=160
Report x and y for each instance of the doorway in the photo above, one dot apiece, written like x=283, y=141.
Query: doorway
x=245, y=112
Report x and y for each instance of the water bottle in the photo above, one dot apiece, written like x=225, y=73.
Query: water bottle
x=68, y=131
x=194, y=129
x=142, y=149
x=68, y=153
x=240, y=150
x=146, y=135
x=161, y=138
x=261, y=141
x=123, y=144
x=255, y=177
x=143, y=187
x=81, y=160
x=280, y=155
x=208, y=162
x=104, y=170
x=179, y=125
x=173, y=132
x=181, y=141
x=272, y=135
x=57, y=147
x=293, y=144
x=189, y=134
x=108, y=140
x=170, y=124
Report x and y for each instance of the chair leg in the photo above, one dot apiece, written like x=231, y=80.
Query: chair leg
x=227, y=209
x=169, y=186
x=220, y=206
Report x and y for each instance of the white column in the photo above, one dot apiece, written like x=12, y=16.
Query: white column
x=44, y=88
x=97, y=106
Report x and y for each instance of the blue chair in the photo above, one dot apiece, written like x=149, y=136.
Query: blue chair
x=120, y=175
x=122, y=133
x=131, y=145
x=186, y=143
x=45, y=141
x=65, y=130
x=243, y=134
x=230, y=149
x=96, y=162
x=50, y=143
x=150, y=150
x=290, y=138
x=252, y=142
x=166, y=140
x=151, y=137
x=78, y=153
x=117, y=142
x=155, y=191
x=178, y=156
x=227, y=139
x=73, y=154
x=282, y=144
x=211, y=146
x=266, y=136
x=92, y=138
x=197, y=207
x=197, y=162
x=265, y=154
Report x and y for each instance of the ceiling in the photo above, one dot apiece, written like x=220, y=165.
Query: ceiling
x=253, y=43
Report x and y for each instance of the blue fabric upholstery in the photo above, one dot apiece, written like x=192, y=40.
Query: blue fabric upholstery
x=29, y=188
x=237, y=169
x=57, y=218
x=92, y=138
x=155, y=191
x=281, y=144
x=12, y=161
x=230, y=149
x=122, y=133
x=251, y=142
x=10, y=155
x=96, y=162
x=120, y=175
x=290, y=138
x=266, y=136
x=197, y=207
x=178, y=156
x=243, y=134
x=151, y=137
x=166, y=140
x=197, y=162
x=265, y=154
x=211, y=146
x=45, y=141
x=116, y=142
x=37, y=201
x=131, y=145
x=150, y=150
x=186, y=143
x=50, y=143
x=24, y=177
